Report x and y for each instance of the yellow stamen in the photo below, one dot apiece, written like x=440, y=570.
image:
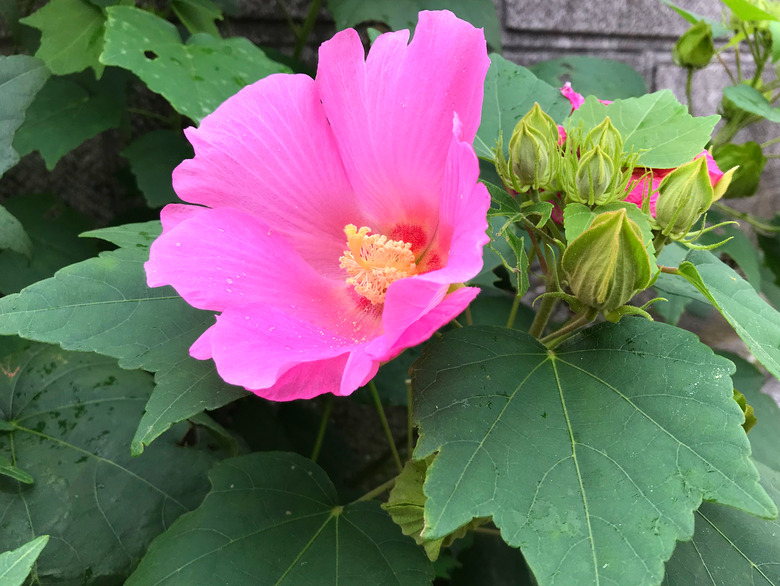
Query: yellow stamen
x=373, y=262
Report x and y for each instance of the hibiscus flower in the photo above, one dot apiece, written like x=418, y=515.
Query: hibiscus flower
x=335, y=216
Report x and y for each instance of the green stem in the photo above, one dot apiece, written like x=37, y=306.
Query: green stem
x=385, y=425
x=513, y=312
x=409, y=420
x=747, y=218
x=150, y=114
x=315, y=453
x=308, y=24
x=559, y=336
x=660, y=241
x=726, y=67
x=293, y=27
x=377, y=491
x=456, y=323
x=669, y=270
x=770, y=142
x=689, y=90
x=738, y=61
x=540, y=321
x=487, y=530
x=772, y=156
x=469, y=319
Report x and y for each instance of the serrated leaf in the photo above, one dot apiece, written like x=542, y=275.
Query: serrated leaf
x=152, y=158
x=591, y=76
x=20, y=79
x=285, y=507
x=591, y=458
x=195, y=77
x=754, y=320
x=655, y=125
x=71, y=35
x=12, y=234
x=730, y=547
x=198, y=16
x=751, y=100
x=402, y=14
x=15, y=565
x=510, y=93
x=103, y=305
x=74, y=415
x=65, y=113
x=53, y=228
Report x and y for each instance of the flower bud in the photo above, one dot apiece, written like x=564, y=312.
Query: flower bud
x=695, y=48
x=608, y=263
x=533, y=150
x=683, y=195
x=607, y=137
x=593, y=178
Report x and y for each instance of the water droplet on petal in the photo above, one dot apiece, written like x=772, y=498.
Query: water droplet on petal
x=178, y=244
x=229, y=290
x=229, y=281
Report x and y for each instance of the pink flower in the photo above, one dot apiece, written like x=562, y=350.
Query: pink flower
x=338, y=211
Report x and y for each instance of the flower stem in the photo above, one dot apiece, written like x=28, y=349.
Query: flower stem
x=385, y=425
x=308, y=24
x=540, y=321
x=726, y=67
x=409, y=420
x=455, y=323
x=669, y=270
x=315, y=452
x=377, y=491
x=758, y=225
x=487, y=531
x=559, y=336
x=689, y=90
x=469, y=319
x=770, y=142
x=513, y=312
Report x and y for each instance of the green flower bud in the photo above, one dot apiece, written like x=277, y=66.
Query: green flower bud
x=607, y=264
x=593, y=178
x=695, y=48
x=533, y=150
x=607, y=137
x=683, y=195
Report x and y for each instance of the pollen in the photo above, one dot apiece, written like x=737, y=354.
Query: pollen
x=372, y=262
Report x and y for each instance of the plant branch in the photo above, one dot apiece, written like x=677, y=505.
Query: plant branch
x=559, y=336
x=371, y=494
x=315, y=452
x=541, y=318
x=757, y=224
x=305, y=31
x=385, y=425
x=726, y=67
x=689, y=90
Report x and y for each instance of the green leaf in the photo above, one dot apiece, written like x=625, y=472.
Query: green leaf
x=71, y=35
x=745, y=10
x=153, y=157
x=510, y=93
x=284, y=507
x=774, y=30
x=8, y=469
x=591, y=458
x=195, y=77
x=655, y=125
x=730, y=547
x=198, y=16
x=751, y=100
x=402, y=14
x=16, y=565
x=12, y=234
x=74, y=415
x=754, y=320
x=718, y=30
x=751, y=161
x=20, y=79
x=65, y=113
x=53, y=228
x=591, y=76
x=103, y=305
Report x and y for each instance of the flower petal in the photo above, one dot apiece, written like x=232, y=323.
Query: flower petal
x=270, y=152
x=392, y=115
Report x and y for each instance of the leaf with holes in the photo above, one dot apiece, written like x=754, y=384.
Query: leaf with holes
x=20, y=79
x=103, y=305
x=71, y=35
x=510, y=93
x=591, y=458
x=15, y=565
x=195, y=77
x=656, y=126
x=285, y=507
x=73, y=415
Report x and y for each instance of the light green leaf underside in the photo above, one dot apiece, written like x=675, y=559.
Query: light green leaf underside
x=591, y=460
x=510, y=93
x=273, y=518
x=20, y=79
x=15, y=565
x=754, y=320
x=103, y=305
x=74, y=415
x=195, y=77
x=655, y=124
x=12, y=234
